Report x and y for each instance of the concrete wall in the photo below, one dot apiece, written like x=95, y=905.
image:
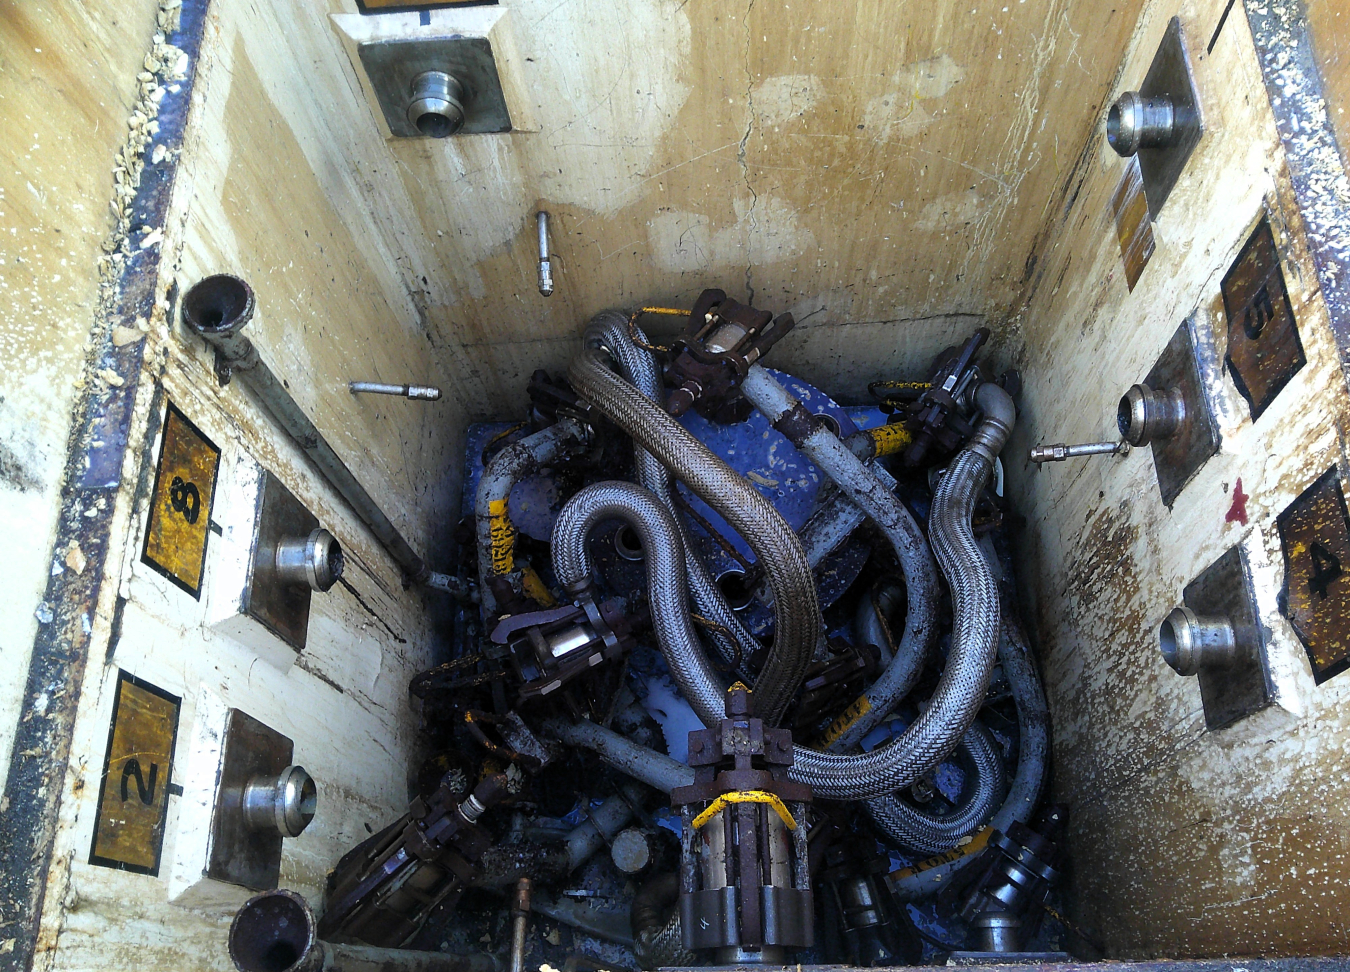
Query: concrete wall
x=1185, y=842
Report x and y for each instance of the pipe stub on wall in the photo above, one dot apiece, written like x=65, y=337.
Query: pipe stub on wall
x=275, y=932
x=284, y=803
x=314, y=561
x=436, y=108
x=217, y=304
x=1190, y=641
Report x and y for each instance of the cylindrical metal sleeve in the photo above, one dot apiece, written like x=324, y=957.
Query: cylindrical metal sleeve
x=856, y=481
x=496, y=535
x=611, y=329
x=647, y=765
x=932, y=833
x=797, y=622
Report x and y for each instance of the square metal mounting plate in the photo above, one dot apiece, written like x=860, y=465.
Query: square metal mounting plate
x=281, y=608
x=250, y=858
x=1224, y=588
x=1170, y=76
x=1180, y=457
x=392, y=65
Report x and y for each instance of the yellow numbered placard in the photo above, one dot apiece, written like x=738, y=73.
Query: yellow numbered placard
x=180, y=509
x=133, y=793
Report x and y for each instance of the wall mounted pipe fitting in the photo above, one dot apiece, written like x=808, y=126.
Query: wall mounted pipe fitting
x=1059, y=452
x=1145, y=415
x=545, y=264
x=1190, y=642
x=436, y=104
x=314, y=561
x=417, y=393
x=284, y=803
x=1136, y=122
x=276, y=932
x=217, y=309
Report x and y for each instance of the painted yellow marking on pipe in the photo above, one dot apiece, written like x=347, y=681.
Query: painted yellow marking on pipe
x=890, y=439
x=975, y=845
x=533, y=587
x=669, y=311
x=745, y=796
x=503, y=536
x=845, y=720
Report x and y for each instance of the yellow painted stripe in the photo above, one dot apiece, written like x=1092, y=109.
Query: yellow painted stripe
x=845, y=720
x=977, y=844
x=890, y=439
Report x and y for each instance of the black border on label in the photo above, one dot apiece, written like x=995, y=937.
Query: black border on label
x=1257, y=409
x=172, y=409
x=122, y=678
x=1335, y=668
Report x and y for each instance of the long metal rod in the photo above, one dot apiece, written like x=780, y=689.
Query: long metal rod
x=520, y=915
x=217, y=308
x=424, y=393
x=545, y=265
x=1058, y=452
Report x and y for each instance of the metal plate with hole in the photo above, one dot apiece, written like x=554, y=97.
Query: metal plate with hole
x=1177, y=458
x=1170, y=76
x=282, y=608
x=251, y=858
x=1315, y=535
x=1234, y=692
x=1264, y=348
x=391, y=66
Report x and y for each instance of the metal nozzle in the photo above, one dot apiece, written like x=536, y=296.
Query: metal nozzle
x=1058, y=452
x=545, y=265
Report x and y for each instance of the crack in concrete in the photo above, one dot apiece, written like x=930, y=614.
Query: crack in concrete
x=740, y=154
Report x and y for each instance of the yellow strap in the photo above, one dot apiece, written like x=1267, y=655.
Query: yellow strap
x=745, y=796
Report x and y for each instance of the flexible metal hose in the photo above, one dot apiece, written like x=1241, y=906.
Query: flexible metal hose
x=1033, y=756
x=797, y=622
x=666, y=592
x=611, y=329
x=932, y=833
x=496, y=535
x=857, y=482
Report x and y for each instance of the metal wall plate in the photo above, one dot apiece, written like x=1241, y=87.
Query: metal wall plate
x=392, y=65
x=1170, y=76
x=281, y=608
x=1134, y=228
x=1264, y=348
x=1177, y=458
x=1237, y=691
x=1315, y=535
x=251, y=858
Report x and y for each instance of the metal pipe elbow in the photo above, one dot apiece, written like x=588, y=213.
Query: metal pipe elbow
x=1000, y=414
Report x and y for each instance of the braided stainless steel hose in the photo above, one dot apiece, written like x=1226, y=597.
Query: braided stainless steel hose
x=932, y=833
x=797, y=622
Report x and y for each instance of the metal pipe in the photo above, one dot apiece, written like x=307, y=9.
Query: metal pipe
x=520, y=916
x=545, y=265
x=276, y=932
x=421, y=393
x=646, y=765
x=217, y=308
x=1059, y=451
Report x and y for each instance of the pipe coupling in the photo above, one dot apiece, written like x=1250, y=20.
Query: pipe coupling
x=1190, y=642
x=282, y=804
x=314, y=561
x=1145, y=414
x=436, y=108
x=1136, y=122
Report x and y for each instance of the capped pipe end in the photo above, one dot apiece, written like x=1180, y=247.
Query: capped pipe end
x=1189, y=641
x=219, y=304
x=275, y=932
x=436, y=108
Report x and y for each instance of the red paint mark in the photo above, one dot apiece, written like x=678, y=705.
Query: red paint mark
x=1237, y=513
